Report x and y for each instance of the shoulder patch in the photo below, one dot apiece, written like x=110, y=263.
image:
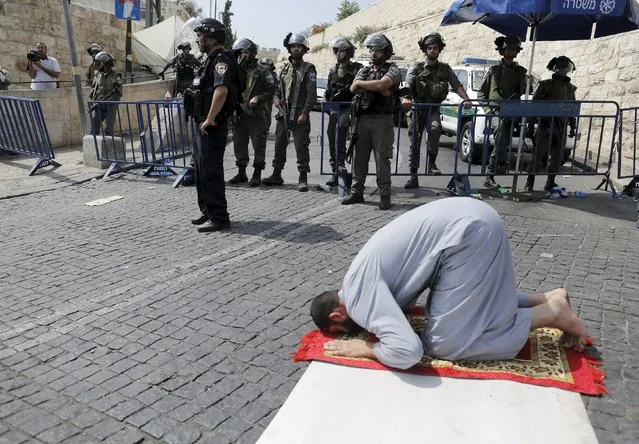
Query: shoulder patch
x=221, y=68
x=393, y=70
x=312, y=76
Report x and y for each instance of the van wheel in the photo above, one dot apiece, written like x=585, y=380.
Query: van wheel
x=470, y=151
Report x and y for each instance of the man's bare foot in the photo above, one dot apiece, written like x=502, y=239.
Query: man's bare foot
x=567, y=321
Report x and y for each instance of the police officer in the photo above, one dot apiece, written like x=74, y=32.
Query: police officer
x=338, y=89
x=376, y=102
x=296, y=96
x=93, y=49
x=551, y=132
x=252, y=114
x=219, y=82
x=107, y=87
x=186, y=64
x=428, y=83
x=268, y=62
x=505, y=81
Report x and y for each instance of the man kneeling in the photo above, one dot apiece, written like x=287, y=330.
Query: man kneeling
x=457, y=248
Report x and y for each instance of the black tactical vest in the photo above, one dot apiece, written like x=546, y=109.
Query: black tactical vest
x=374, y=102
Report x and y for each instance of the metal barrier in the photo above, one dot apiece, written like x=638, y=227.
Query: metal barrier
x=153, y=134
x=627, y=165
x=23, y=130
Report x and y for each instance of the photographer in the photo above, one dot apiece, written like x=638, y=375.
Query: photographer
x=42, y=69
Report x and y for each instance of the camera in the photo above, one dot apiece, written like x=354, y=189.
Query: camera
x=34, y=56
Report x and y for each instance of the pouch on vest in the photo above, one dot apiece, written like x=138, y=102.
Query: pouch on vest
x=439, y=91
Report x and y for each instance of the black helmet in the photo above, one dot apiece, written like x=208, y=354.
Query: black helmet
x=560, y=63
x=342, y=44
x=103, y=58
x=509, y=41
x=431, y=38
x=94, y=48
x=213, y=28
x=184, y=45
x=245, y=44
x=379, y=41
x=293, y=39
x=268, y=62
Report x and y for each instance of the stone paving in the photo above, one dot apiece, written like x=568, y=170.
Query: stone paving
x=121, y=324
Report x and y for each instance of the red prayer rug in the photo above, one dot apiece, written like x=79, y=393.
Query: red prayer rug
x=543, y=361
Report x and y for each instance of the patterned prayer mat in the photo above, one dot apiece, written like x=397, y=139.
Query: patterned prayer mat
x=543, y=361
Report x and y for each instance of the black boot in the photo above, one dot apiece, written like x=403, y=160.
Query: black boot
x=353, y=199
x=256, y=180
x=332, y=182
x=274, y=179
x=432, y=167
x=214, y=225
x=412, y=183
x=302, y=184
x=200, y=220
x=384, y=202
x=530, y=184
x=490, y=182
x=240, y=177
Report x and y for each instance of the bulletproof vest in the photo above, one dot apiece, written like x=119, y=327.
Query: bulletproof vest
x=510, y=82
x=340, y=87
x=107, y=86
x=374, y=102
x=557, y=88
x=431, y=85
x=184, y=69
x=293, y=78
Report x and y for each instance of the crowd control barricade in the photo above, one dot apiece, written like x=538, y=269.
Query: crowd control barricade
x=153, y=134
x=627, y=166
x=24, y=131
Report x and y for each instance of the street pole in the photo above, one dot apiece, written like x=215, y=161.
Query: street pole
x=210, y=8
x=128, y=65
x=149, y=13
x=75, y=68
x=215, y=16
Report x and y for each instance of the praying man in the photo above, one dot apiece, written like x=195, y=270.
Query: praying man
x=458, y=248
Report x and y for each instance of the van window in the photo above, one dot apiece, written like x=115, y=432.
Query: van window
x=477, y=78
x=462, y=75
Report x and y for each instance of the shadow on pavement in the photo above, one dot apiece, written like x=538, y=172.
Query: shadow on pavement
x=288, y=231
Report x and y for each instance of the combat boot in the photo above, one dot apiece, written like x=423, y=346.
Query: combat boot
x=240, y=177
x=256, y=180
x=384, y=202
x=530, y=184
x=432, y=167
x=353, y=199
x=302, y=184
x=274, y=179
x=332, y=182
x=413, y=182
x=490, y=182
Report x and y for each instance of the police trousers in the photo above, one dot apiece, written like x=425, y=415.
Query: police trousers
x=255, y=129
x=503, y=131
x=375, y=133
x=100, y=114
x=548, y=141
x=208, y=154
x=429, y=118
x=338, y=124
x=301, y=139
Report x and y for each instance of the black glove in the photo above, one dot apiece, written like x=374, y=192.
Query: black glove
x=571, y=134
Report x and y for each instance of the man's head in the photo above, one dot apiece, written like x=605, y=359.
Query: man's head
x=379, y=47
x=104, y=61
x=561, y=65
x=432, y=44
x=93, y=49
x=185, y=47
x=508, y=46
x=42, y=49
x=210, y=34
x=330, y=316
x=245, y=51
x=297, y=45
x=343, y=49
x=268, y=62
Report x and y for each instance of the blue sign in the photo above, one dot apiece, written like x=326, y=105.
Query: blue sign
x=127, y=9
x=589, y=7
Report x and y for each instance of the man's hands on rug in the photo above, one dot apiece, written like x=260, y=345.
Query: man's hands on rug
x=350, y=348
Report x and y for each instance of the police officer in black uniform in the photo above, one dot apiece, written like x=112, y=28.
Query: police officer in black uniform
x=219, y=82
x=338, y=89
x=186, y=64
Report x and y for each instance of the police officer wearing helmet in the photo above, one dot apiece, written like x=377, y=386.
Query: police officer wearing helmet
x=107, y=87
x=428, y=83
x=551, y=132
x=219, y=82
x=186, y=64
x=93, y=49
x=252, y=114
x=294, y=99
x=376, y=102
x=505, y=81
x=268, y=62
x=338, y=89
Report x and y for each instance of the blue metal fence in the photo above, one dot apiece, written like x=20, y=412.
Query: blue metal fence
x=153, y=134
x=24, y=131
x=627, y=166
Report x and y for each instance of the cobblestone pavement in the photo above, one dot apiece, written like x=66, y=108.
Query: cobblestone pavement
x=121, y=324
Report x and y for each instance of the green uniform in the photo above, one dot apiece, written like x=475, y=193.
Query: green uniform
x=107, y=87
x=185, y=65
x=252, y=122
x=375, y=129
x=428, y=84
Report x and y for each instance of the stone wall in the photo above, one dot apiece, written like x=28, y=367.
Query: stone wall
x=60, y=107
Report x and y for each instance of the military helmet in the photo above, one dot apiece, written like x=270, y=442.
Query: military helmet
x=268, y=62
x=245, y=44
x=94, y=48
x=184, y=45
x=297, y=38
x=104, y=57
x=431, y=38
x=561, y=62
x=379, y=41
x=509, y=41
x=342, y=44
x=213, y=28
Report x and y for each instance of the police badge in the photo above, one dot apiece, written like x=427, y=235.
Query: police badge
x=221, y=68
